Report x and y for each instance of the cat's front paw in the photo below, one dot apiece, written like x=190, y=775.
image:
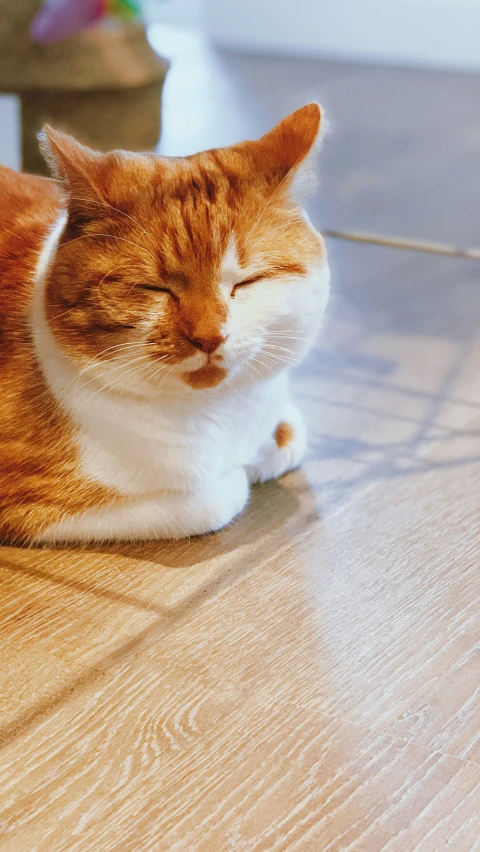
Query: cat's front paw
x=226, y=498
x=283, y=452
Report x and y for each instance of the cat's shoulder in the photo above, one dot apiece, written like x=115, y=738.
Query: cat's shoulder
x=25, y=195
x=29, y=206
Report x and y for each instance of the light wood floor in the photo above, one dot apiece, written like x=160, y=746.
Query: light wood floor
x=307, y=680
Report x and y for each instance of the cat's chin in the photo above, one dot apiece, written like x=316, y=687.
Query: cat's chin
x=208, y=376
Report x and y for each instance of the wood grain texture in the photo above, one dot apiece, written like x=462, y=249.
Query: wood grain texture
x=308, y=679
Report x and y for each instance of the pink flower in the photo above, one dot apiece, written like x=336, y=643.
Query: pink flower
x=59, y=19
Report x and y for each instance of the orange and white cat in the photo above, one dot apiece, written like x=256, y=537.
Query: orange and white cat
x=150, y=309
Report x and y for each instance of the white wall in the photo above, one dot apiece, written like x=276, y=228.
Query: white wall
x=9, y=131
x=186, y=14
x=417, y=32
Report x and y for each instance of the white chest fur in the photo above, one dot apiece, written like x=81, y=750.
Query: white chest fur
x=176, y=444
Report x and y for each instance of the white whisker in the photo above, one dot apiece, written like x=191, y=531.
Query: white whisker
x=110, y=386
x=120, y=347
x=282, y=349
x=82, y=385
x=287, y=335
x=278, y=359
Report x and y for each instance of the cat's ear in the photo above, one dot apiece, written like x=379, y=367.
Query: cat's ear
x=77, y=167
x=283, y=153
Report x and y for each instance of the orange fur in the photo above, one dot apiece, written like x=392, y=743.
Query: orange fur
x=207, y=377
x=284, y=433
x=135, y=223
x=39, y=477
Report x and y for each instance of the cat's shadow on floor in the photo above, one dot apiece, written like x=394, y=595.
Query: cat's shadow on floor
x=264, y=526
x=181, y=572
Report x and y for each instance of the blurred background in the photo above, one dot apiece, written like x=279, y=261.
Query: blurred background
x=399, y=83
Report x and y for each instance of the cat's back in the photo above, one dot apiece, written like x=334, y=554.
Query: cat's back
x=28, y=208
x=24, y=195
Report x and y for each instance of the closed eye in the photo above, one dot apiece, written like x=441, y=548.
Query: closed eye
x=248, y=281
x=155, y=288
x=272, y=272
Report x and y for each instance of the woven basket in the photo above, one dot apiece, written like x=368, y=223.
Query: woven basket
x=104, y=85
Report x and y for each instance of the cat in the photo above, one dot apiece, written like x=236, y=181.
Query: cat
x=150, y=310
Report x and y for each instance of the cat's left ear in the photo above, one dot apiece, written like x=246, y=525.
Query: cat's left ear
x=285, y=153
x=77, y=167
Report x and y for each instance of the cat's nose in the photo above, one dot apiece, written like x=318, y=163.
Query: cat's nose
x=207, y=344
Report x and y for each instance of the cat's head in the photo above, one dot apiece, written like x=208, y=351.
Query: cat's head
x=199, y=270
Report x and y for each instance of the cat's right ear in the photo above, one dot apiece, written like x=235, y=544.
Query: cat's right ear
x=78, y=168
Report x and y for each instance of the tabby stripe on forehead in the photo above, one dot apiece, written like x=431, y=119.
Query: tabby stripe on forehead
x=219, y=163
x=210, y=187
x=173, y=235
x=188, y=228
x=222, y=166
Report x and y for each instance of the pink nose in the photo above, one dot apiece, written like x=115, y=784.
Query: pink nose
x=207, y=344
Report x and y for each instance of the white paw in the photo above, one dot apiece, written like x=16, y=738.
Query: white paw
x=226, y=498
x=283, y=452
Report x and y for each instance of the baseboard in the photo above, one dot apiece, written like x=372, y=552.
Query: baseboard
x=433, y=33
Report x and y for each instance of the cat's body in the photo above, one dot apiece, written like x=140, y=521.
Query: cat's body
x=142, y=388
